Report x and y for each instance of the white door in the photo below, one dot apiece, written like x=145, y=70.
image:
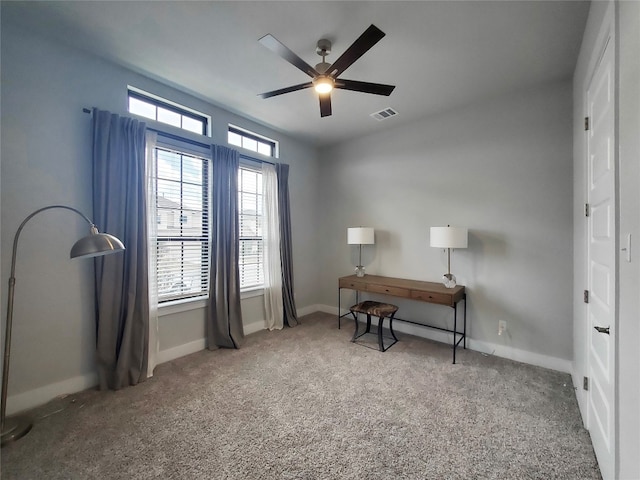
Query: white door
x=601, y=271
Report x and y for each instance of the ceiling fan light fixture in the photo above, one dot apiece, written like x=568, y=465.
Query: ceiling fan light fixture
x=323, y=84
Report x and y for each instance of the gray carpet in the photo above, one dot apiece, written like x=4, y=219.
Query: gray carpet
x=305, y=403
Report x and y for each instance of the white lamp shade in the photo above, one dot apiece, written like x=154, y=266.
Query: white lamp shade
x=360, y=236
x=449, y=237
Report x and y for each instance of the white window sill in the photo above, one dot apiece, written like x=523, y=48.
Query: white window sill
x=251, y=292
x=184, y=305
x=178, y=306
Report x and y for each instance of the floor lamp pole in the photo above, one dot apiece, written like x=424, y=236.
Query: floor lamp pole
x=21, y=425
x=95, y=244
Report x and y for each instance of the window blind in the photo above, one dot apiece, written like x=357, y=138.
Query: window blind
x=182, y=216
x=250, y=207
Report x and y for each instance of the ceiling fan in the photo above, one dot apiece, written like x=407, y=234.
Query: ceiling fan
x=324, y=77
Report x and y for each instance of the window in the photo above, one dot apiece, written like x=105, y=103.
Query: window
x=182, y=203
x=164, y=111
x=251, y=141
x=250, y=203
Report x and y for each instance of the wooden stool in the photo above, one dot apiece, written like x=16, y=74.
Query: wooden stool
x=380, y=310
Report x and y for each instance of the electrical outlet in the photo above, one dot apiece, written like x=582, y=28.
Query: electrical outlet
x=502, y=326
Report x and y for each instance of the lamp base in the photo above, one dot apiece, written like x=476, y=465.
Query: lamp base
x=449, y=280
x=15, y=428
x=359, y=271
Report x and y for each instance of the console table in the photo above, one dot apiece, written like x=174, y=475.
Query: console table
x=428, y=292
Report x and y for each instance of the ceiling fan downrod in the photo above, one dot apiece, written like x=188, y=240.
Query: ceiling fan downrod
x=323, y=49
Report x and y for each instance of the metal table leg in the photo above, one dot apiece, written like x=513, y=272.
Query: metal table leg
x=465, y=320
x=339, y=309
x=455, y=329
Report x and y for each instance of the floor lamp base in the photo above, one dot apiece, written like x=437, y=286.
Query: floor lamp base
x=15, y=428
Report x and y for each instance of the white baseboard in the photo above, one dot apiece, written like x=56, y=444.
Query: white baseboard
x=334, y=311
x=39, y=396
x=197, y=345
x=181, y=350
x=253, y=327
x=503, y=351
x=200, y=344
x=308, y=310
x=532, y=358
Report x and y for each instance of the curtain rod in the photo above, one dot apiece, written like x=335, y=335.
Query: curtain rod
x=248, y=157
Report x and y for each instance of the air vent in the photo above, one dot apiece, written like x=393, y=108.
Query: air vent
x=384, y=114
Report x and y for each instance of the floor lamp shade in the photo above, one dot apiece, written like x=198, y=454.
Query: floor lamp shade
x=96, y=244
x=360, y=236
x=93, y=245
x=449, y=237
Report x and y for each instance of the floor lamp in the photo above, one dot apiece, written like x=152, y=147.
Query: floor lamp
x=93, y=245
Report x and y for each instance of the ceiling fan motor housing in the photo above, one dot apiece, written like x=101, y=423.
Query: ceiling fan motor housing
x=322, y=67
x=324, y=47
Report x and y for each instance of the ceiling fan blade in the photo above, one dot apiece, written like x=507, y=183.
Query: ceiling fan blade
x=365, y=87
x=293, y=88
x=325, y=104
x=368, y=39
x=273, y=44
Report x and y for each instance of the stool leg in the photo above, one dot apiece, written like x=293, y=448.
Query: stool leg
x=391, y=326
x=355, y=334
x=368, y=322
x=380, y=343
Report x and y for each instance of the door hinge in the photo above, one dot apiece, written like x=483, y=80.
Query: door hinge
x=586, y=296
x=586, y=123
x=587, y=210
x=585, y=383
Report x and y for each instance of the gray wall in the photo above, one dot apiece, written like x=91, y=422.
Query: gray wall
x=46, y=159
x=502, y=168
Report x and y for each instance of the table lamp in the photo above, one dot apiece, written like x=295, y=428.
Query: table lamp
x=449, y=237
x=360, y=236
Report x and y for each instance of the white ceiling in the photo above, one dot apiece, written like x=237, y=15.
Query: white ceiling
x=440, y=55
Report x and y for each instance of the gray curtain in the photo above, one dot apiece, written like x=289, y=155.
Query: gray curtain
x=224, y=316
x=290, y=315
x=121, y=281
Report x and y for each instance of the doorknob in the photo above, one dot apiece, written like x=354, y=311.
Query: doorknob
x=602, y=329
